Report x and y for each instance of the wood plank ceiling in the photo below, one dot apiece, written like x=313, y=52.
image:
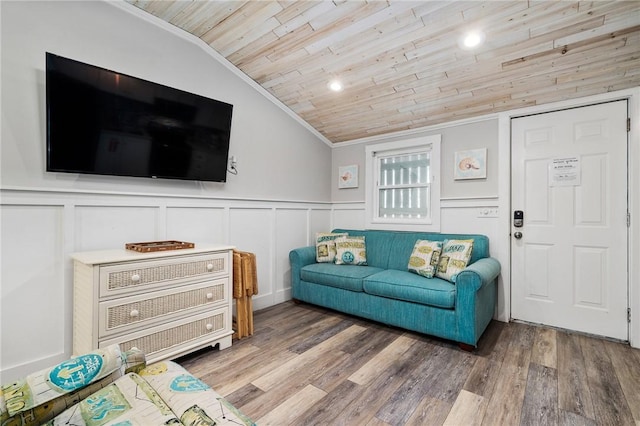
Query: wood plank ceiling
x=401, y=63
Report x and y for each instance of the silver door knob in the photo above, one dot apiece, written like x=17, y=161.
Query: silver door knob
x=518, y=235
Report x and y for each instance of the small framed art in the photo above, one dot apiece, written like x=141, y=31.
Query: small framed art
x=470, y=164
x=348, y=176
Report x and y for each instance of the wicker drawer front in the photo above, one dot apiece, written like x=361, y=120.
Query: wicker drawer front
x=165, y=338
x=117, y=279
x=119, y=315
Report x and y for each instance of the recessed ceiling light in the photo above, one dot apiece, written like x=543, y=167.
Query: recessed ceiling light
x=335, y=85
x=472, y=39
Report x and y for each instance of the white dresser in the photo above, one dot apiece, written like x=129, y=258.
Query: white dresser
x=166, y=303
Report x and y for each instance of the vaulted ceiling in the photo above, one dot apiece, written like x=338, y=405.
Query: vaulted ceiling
x=401, y=62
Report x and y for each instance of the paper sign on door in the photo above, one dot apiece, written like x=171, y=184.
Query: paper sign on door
x=565, y=171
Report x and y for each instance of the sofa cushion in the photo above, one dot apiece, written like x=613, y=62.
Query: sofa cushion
x=348, y=277
x=454, y=258
x=326, y=246
x=351, y=251
x=378, y=247
x=403, y=285
x=424, y=258
x=392, y=249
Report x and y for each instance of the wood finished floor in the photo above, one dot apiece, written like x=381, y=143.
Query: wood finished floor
x=305, y=365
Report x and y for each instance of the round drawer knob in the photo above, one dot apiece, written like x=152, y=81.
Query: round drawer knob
x=209, y=266
x=134, y=313
x=209, y=296
x=135, y=278
x=209, y=327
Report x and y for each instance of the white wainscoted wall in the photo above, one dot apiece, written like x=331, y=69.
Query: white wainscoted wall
x=40, y=229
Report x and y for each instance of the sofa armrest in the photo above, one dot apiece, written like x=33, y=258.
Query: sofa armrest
x=476, y=297
x=486, y=270
x=302, y=256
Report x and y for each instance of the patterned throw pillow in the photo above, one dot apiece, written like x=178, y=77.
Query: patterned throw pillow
x=326, y=246
x=454, y=258
x=424, y=258
x=351, y=251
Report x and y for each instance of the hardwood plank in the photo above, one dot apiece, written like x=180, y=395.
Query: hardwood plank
x=298, y=378
x=377, y=422
x=370, y=342
x=441, y=376
x=283, y=372
x=574, y=395
x=540, y=406
x=544, y=350
x=239, y=371
x=626, y=363
x=199, y=363
x=382, y=387
x=239, y=22
x=609, y=403
x=430, y=412
x=228, y=378
x=483, y=377
x=320, y=336
x=298, y=13
x=567, y=418
x=200, y=17
x=400, y=405
x=294, y=407
x=244, y=395
x=382, y=361
x=494, y=342
x=509, y=392
x=325, y=411
x=468, y=410
x=447, y=382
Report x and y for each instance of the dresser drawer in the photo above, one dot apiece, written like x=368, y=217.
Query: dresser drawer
x=158, y=342
x=128, y=313
x=122, y=278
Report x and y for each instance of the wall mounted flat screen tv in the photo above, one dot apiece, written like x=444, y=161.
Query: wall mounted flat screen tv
x=107, y=123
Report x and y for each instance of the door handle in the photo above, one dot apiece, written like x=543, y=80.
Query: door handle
x=518, y=235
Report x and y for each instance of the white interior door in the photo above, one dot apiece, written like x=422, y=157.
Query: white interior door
x=569, y=178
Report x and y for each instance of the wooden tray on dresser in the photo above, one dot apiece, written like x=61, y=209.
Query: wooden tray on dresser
x=150, y=246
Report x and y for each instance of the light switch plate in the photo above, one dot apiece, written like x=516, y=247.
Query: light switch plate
x=489, y=212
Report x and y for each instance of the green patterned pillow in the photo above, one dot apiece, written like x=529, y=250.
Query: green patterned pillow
x=454, y=258
x=424, y=258
x=351, y=251
x=326, y=246
x=51, y=383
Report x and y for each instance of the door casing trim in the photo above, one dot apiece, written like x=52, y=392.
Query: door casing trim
x=633, y=182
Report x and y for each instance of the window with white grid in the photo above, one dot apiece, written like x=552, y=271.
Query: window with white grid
x=403, y=184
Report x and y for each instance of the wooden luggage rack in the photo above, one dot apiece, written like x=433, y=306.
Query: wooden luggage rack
x=245, y=285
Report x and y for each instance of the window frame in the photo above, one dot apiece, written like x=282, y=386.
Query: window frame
x=429, y=143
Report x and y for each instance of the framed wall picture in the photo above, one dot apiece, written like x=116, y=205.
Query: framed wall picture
x=470, y=164
x=348, y=176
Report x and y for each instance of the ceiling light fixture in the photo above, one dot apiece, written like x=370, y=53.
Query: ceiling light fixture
x=335, y=85
x=472, y=39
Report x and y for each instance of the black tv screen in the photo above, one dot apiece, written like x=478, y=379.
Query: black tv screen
x=107, y=123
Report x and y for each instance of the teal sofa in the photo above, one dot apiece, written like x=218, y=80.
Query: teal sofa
x=385, y=291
